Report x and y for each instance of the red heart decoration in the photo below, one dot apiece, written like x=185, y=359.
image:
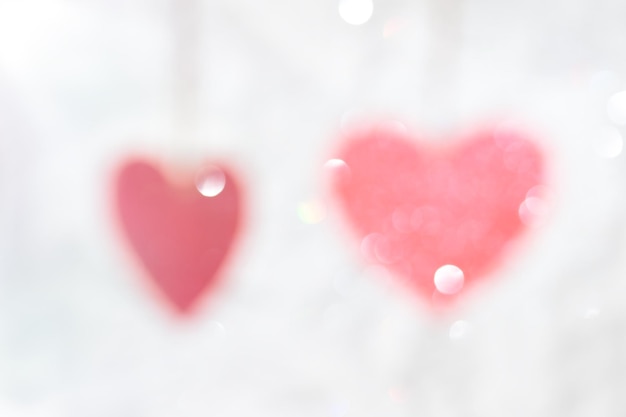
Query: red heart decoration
x=439, y=218
x=181, y=232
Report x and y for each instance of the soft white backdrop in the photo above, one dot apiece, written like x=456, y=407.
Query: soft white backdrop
x=303, y=325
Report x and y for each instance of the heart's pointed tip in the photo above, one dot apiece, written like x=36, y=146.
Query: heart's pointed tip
x=187, y=304
x=182, y=309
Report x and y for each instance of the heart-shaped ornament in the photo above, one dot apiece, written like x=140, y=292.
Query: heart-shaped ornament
x=181, y=228
x=440, y=218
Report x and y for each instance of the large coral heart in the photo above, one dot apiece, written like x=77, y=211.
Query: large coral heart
x=181, y=231
x=438, y=217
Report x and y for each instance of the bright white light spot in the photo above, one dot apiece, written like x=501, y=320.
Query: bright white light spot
x=334, y=164
x=609, y=142
x=337, y=171
x=210, y=181
x=591, y=313
x=616, y=108
x=356, y=12
x=459, y=329
x=449, y=279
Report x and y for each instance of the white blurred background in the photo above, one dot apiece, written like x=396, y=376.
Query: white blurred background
x=303, y=325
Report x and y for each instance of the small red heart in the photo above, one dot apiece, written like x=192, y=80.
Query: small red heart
x=181, y=232
x=439, y=218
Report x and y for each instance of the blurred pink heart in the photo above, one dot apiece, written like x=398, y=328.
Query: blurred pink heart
x=439, y=218
x=182, y=232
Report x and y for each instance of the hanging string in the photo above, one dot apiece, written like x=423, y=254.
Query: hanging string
x=186, y=24
x=445, y=19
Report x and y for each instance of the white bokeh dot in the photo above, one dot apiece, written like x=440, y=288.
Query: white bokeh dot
x=449, y=279
x=356, y=12
x=210, y=181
